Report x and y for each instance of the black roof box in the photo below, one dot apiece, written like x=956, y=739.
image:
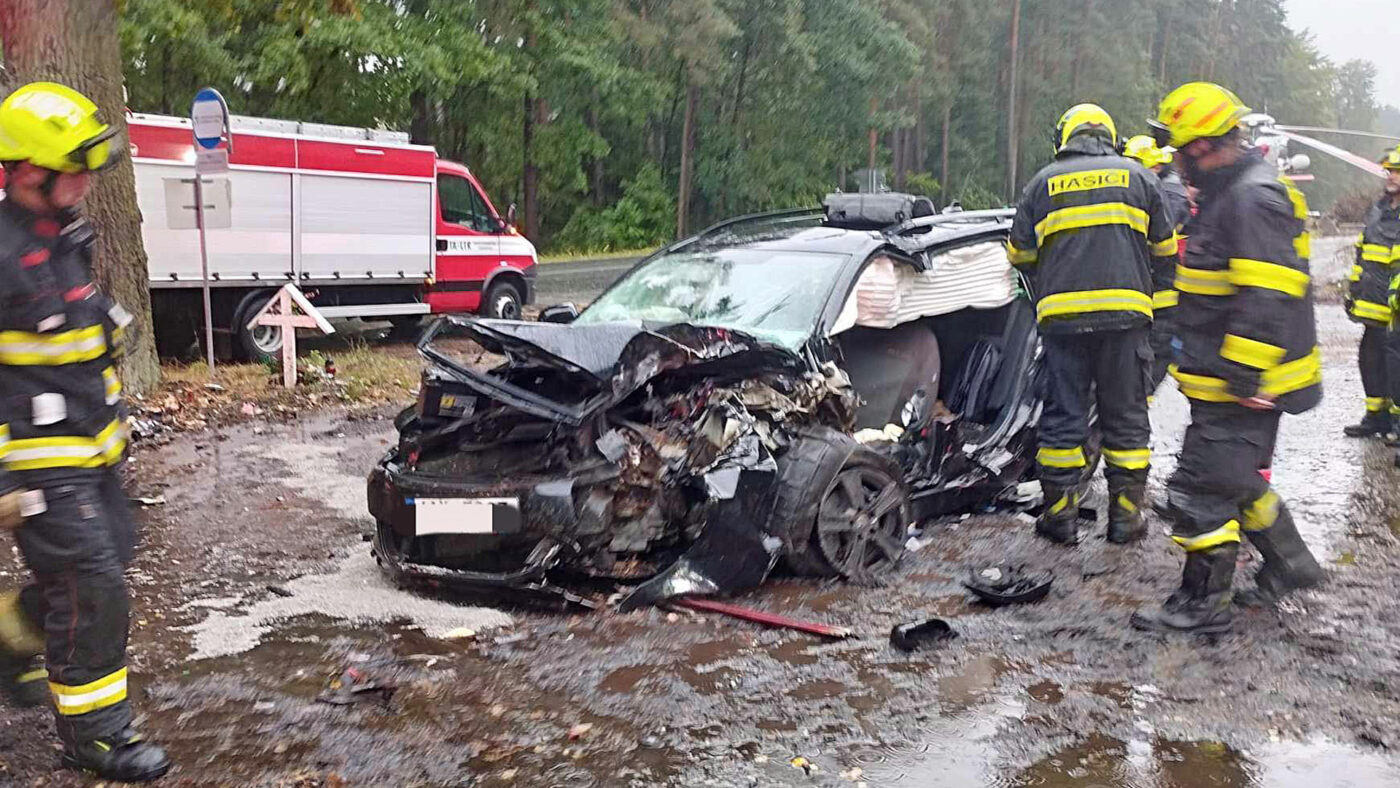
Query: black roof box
x=874, y=211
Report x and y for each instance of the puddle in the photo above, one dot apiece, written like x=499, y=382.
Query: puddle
x=1102, y=762
x=1046, y=692
x=970, y=685
x=626, y=679
x=817, y=690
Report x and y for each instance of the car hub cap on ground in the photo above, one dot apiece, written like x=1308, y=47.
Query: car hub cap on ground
x=860, y=528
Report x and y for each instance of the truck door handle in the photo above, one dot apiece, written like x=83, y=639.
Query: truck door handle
x=442, y=244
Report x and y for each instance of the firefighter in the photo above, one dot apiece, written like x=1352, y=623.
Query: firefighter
x=1392, y=359
x=1248, y=354
x=1164, y=299
x=1087, y=230
x=63, y=436
x=1377, y=248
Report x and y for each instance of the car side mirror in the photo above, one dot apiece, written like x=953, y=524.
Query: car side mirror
x=559, y=313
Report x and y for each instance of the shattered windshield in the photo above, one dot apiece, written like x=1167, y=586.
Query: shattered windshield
x=774, y=295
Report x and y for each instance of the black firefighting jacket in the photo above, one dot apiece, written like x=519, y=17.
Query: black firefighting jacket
x=61, y=416
x=1377, y=249
x=1090, y=228
x=1178, y=204
x=1246, y=316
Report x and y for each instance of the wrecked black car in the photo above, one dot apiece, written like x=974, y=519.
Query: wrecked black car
x=782, y=389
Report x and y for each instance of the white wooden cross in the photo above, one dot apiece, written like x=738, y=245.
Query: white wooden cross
x=282, y=312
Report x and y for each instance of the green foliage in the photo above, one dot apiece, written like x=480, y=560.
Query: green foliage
x=642, y=218
x=790, y=90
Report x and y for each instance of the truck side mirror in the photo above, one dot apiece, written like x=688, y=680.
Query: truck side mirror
x=510, y=215
x=559, y=313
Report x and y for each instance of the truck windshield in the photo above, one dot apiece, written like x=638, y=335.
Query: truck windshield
x=774, y=295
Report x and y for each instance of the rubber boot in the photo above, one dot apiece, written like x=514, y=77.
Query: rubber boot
x=1373, y=423
x=1126, y=523
x=1202, y=604
x=1288, y=563
x=1392, y=435
x=1060, y=521
x=25, y=681
x=125, y=757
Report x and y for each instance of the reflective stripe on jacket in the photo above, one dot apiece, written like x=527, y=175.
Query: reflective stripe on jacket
x=60, y=399
x=1245, y=319
x=1377, y=249
x=1090, y=228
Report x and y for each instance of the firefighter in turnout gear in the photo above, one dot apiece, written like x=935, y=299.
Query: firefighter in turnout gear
x=1248, y=354
x=1377, y=249
x=1392, y=359
x=63, y=436
x=1089, y=229
x=1164, y=297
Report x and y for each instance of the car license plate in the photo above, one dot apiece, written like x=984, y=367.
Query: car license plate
x=466, y=515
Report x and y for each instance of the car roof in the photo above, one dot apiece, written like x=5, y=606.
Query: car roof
x=807, y=231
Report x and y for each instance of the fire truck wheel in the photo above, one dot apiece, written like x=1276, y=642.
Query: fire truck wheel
x=502, y=300
x=262, y=343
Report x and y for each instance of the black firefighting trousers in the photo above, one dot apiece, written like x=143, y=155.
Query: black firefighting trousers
x=1217, y=490
x=1372, y=358
x=1113, y=368
x=77, y=550
x=1163, y=331
x=1392, y=368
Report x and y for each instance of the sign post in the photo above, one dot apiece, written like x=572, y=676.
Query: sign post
x=213, y=144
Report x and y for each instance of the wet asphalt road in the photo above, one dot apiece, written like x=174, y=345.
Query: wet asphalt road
x=254, y=592
x=579, y=282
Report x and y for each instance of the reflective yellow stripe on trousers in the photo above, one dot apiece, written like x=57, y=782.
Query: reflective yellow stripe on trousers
x=1061, y=458
x=31, y=454
x=25, y=349
x=1131, y=459
x=1225, y=534
x=1370, y=310
x=106, y=691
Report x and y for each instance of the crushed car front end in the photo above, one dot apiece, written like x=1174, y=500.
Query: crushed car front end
x=610, y=451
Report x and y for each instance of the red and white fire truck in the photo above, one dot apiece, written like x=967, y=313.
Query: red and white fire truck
x=366, y=224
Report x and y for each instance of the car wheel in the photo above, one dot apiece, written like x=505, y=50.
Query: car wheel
x=864, y=518
x=385, y=548
x=807, y=473
x=502, y=300
x=260, y=343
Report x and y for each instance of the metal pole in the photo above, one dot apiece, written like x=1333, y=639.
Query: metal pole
x=204, y=267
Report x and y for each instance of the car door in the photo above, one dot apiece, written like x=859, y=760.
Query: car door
x=468, y=245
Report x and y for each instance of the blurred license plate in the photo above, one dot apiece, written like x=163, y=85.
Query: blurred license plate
x=466, y=515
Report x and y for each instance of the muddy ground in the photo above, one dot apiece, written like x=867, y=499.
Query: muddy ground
x=255, y=589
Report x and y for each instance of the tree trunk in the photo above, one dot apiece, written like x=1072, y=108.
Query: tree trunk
x=944, y=178
x=420, y=128
x=692, y=106
x=1012, y=142
x=530, y=187
x=75, y=42
x=874, y=134
x=597, y=188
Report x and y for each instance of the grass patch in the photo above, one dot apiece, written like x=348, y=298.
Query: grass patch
x=574, y=257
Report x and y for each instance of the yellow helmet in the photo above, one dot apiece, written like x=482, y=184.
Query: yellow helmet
x=1145, y=150
x=1196, y=110
x=1391, y=159
x=1081, y=117
x=55, y=127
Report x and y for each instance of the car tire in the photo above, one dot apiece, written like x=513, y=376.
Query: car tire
x=503, y=301
x=260, y=345
x=807, y=472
